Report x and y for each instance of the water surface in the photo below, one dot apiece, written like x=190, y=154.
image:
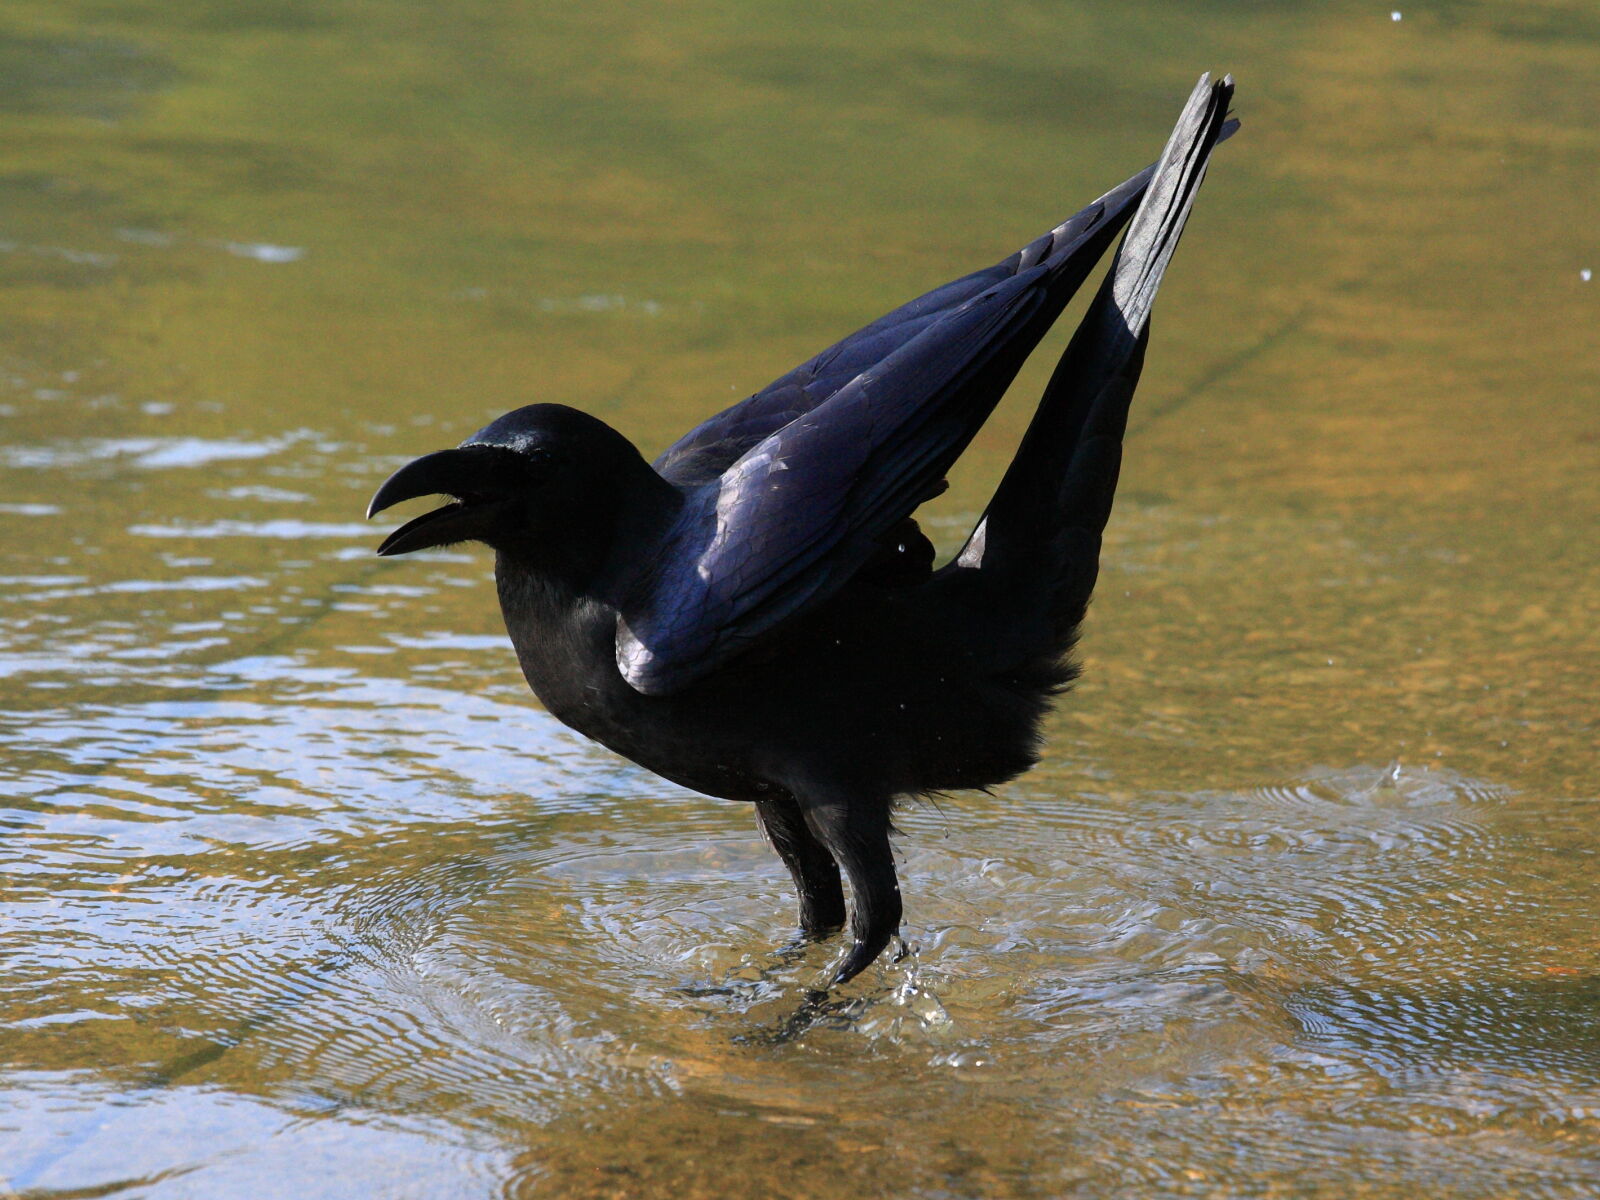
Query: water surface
x=303, y=895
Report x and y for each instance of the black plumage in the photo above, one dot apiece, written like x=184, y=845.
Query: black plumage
x=757, y=616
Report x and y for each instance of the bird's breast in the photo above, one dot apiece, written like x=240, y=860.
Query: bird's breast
x=566, y=646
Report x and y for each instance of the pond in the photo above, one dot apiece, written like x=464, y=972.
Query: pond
x=302, y=894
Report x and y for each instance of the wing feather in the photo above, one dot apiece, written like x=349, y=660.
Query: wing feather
x=788, y=492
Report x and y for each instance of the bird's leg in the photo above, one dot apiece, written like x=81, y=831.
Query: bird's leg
x=857, y=833
x=816, y=875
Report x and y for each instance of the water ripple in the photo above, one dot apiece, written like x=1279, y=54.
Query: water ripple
x=147, y=453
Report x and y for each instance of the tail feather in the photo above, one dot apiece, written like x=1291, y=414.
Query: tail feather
x=1056, y=497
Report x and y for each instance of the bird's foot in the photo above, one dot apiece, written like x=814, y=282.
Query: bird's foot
x=816, y=875
x=858, y=836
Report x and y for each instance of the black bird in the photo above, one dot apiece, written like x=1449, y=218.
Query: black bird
x=756, y=615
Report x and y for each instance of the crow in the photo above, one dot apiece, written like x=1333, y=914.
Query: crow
x=756, y=615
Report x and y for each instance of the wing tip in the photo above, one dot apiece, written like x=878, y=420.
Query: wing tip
x=1153, y=233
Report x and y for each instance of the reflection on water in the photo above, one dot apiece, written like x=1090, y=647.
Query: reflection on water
x=303, y=895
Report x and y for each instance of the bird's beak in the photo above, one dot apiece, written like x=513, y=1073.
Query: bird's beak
x=459, y=473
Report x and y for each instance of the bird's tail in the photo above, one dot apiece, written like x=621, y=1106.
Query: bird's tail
x=1056, y=497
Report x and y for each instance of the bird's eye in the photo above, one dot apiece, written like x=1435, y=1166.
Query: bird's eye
x=542, y=457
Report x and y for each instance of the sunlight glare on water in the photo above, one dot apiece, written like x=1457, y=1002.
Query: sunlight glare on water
x=301, y=894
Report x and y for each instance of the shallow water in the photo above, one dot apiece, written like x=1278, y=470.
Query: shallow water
x=304, y=896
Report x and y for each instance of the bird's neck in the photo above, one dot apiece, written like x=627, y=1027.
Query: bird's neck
x=560, y=598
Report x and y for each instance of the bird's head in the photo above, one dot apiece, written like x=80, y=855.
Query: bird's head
x=539, y=475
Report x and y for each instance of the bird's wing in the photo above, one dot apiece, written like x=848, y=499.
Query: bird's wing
x=710, y=448
x=1041, y=532
x=790, y=490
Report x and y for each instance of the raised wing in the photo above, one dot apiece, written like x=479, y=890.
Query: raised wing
x=714, y=445
x=793, y=488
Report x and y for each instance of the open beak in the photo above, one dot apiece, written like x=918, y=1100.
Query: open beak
x=457, y=473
